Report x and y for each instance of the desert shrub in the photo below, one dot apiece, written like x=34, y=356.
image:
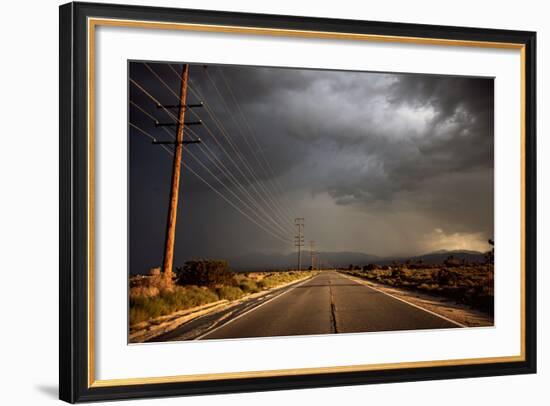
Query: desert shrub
x=481, y=297
x=427, y=286
x=370, y=267
x=249, y=286
x=406, y=274
x=144, y=291
x=451, y=261
x=446, y=277
x=189, y=296
x=490, y=255
x=154, y=271
x=143, y=308
x=399, y=273
x=274, y=279
x=136, y=280
x=137, y=315
x=149, y=285
x=229, y=292
x=205, y=272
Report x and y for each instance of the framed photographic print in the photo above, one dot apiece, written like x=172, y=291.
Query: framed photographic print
x=255, y=202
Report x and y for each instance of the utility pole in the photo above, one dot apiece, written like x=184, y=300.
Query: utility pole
x=174, y=190
x=312, y=254
x=299, y=239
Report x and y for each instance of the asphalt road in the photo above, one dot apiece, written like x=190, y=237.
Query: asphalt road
x=327, y=303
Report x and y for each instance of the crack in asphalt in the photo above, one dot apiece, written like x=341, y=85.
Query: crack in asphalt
x=332, y=309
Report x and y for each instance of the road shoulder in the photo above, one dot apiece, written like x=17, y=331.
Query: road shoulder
x=443, y=307
x=166, y=324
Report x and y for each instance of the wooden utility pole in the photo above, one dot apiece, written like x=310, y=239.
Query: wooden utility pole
x=174, y=190
x=299, y=239
x=312, y=254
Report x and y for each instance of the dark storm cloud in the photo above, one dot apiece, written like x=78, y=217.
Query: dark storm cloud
x=393, y=132
x=409, y=149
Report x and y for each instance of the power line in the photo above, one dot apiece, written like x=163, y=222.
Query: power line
x=143, y=111
x=226, y=136
x=152, y=98
x=270, y=173
x=224, y=103
x=194, y=157
x=277, y=224
x=224, y=132
x=215, y=190
x=216, y=161
x=148, y=135
x=232, y=204
x=229, y=190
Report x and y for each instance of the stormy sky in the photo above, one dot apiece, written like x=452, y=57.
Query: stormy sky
x=384, y=164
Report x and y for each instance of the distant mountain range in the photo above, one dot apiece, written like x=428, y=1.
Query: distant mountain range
x=342, y=259
x=438, y=257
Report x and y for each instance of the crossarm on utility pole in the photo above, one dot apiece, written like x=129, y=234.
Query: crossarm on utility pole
x=171, y=142
x=173, y=124
x=177, y=106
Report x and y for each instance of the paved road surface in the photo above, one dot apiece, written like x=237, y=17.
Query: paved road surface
x=327, y=303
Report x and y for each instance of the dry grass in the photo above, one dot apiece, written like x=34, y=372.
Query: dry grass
x=151, y=297
x=168, y=301
x=273, y=279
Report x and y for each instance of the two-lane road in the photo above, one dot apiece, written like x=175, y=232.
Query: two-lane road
x=327, y=303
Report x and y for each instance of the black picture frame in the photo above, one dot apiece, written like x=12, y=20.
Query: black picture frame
x=74, y=200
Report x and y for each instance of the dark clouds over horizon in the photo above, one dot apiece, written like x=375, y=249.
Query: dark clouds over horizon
x=384, y=164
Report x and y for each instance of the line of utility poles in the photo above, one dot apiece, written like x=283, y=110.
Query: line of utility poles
x=312, y=254
x=299, y=239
